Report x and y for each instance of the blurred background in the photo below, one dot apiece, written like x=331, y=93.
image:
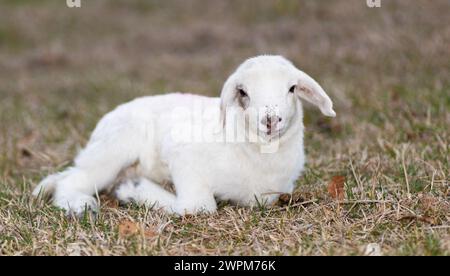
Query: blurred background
x=387, y=69
x=62, y=68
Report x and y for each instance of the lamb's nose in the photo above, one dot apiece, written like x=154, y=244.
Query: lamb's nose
x=271, y=121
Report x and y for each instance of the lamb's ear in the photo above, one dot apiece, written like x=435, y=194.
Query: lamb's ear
x=309, y=90
x=226, y=98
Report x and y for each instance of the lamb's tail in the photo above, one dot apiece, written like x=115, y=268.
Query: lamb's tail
x=47, y=186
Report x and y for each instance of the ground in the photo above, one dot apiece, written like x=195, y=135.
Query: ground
x=387, y=70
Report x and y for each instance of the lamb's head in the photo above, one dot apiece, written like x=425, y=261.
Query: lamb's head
x=268, y=88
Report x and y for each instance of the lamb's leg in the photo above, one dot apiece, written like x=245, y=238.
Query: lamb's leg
x=95, y=169
x=193, y=194
x=146, y=192
x=189, y=199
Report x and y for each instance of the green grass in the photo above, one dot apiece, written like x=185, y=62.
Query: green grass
x=385, y=70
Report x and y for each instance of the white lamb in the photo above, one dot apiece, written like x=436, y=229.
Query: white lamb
x=147, y=135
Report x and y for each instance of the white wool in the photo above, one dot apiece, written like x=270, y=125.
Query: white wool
x=144, y=134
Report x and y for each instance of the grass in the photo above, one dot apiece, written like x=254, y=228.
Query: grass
x=386, y=70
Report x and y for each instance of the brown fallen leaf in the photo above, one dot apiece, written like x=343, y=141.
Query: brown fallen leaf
x=336, y=187
x=286, y=199
x=128, y=228
x=24, y=145
x=424, y=219
x=109, y=201
x=27, y=140
x=150, y=233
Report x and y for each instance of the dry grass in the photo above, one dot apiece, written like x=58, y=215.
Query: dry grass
x=387, y=70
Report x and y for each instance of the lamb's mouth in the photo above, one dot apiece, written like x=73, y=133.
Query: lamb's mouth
x=272, y=134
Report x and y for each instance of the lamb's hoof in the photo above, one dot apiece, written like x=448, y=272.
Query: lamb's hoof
x=78, y=206
x=126, y=192
x=88, y=214
x=189, y=209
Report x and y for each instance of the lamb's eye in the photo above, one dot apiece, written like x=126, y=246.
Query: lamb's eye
x=242, y=93
x=292, y=89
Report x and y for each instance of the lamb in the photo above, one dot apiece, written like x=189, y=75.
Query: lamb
x=156, y=139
